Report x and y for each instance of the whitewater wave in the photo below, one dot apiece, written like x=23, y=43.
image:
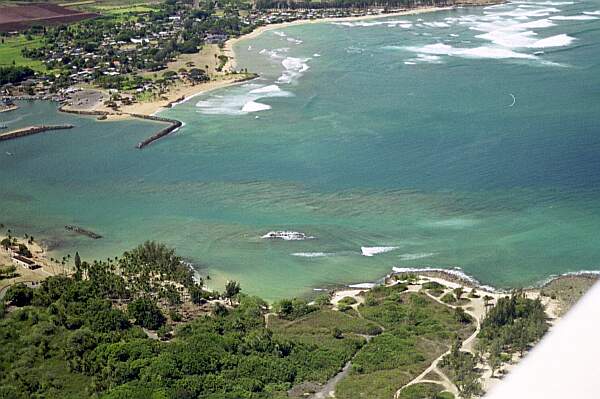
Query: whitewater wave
x=362, y=285
x=508, y=28
x=372, y=251
x=294, y=68
x=472, y=52
x=241, y=101
x=592, y=12
x=253, y=106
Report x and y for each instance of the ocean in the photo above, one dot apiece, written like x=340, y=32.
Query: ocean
x=464, y=139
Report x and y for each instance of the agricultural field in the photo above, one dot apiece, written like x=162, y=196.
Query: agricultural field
x=15, y=17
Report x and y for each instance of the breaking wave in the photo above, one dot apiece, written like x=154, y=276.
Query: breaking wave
x=372, y=251
x=241, y=101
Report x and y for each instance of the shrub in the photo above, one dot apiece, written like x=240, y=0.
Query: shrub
x=432, y=284
x=146, y=313
x=19, y=295
x=449, y=298
x=347, y=300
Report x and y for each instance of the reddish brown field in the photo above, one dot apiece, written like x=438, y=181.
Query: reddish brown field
x=21, y=17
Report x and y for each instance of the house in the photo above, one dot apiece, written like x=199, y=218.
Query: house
x=25, y=262
x=215, y=38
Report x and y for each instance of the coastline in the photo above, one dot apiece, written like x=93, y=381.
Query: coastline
x=229, y=50
x=184, y=92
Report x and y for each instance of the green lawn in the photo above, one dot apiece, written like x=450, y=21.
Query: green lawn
x=10, y=51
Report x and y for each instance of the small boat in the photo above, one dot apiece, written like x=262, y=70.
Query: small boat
x=286, y=235
x=10, y=154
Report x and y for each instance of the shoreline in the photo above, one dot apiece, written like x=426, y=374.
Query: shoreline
x=455, y=276
x=229, y=50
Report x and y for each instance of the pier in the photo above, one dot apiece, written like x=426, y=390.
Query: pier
x=173, y=125
x=27, y=131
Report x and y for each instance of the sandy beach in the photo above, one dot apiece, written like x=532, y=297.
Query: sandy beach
x=181, y=93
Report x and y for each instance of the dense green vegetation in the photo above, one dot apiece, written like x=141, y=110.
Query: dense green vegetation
x=513, y=324
x=416, y=330
x=425, y=391
x=14, y=74
x=80, y=336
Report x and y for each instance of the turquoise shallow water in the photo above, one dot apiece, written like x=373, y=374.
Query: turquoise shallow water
x=465, y=138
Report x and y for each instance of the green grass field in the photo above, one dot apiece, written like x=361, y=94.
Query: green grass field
x=118, y=10
x=10, y=52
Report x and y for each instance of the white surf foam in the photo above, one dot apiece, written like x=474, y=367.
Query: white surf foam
x=553, y=41
x=241, y=100
x=592, y=12
x=293, y=40
x=474, y=52
x=279, y=33
x=362, y=285
x=293, y=69
x=253, y=106
x=267, y=89
x=372, y=251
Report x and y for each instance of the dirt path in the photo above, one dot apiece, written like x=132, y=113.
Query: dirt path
x=476, y=310
x=328, y=390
